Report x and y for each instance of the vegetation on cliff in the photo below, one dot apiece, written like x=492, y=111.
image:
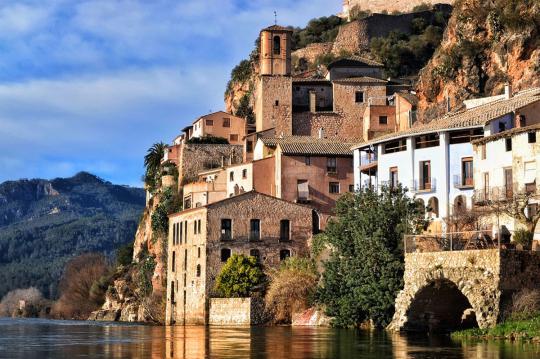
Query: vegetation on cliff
x=43, y=224
x=365, y=269
x=487, y=43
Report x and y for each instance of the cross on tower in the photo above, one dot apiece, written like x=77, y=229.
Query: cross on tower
x=275, y=17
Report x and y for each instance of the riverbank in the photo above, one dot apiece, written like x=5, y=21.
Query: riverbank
x=524, y=330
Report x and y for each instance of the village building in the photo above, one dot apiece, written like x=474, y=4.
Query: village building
x=202, y=239
x=334, y=103
x=436, y=161
x=210, y=187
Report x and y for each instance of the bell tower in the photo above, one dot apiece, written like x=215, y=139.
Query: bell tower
x=275, y=51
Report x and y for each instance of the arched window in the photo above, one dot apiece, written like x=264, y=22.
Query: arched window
x=198, y=270
x=433, y=207
x=277, y=45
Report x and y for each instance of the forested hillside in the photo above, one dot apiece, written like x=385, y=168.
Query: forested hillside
x=44, y=223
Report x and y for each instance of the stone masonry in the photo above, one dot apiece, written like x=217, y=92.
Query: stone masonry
x=486, y=278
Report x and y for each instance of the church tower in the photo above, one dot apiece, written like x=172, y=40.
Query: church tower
x=273, y=97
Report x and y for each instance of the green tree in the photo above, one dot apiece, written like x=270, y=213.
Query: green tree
x=365, y=269
x=124, y=254
x=245, y=110
x=239, y=277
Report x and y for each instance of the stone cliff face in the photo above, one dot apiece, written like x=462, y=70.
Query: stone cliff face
x=389, y=6
x=486, y=44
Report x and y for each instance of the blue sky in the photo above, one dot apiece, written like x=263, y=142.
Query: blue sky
x=90, y=85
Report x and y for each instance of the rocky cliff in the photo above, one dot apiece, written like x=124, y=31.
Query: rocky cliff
x=487, y=43
x=388, y=6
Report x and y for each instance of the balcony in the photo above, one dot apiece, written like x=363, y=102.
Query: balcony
x=461, y=182
x=427, y=185
x=484, y=196
x=368, y=161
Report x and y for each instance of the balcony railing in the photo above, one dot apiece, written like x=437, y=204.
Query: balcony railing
x=426, y=185
x=495, y=194
x=462, y=182
x=367, y=159
x=248, y=238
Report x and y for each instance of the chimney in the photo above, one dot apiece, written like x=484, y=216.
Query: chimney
x=321, y=133
x=312, y=101
x=507, y=91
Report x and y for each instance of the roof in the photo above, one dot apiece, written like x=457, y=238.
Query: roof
x=475, y=117
x=311, y=80
x=506, y=134
x=362, y=79
x=277, y=28
x=411, y=98
x=239, y=196
x=185, y=129
x=216, y=112
x=358, y=61
x=306, y=145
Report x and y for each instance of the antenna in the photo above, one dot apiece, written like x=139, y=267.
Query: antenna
x=275, y=17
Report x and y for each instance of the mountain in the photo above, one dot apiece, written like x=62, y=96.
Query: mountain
x=43, y=223
x=487, y=43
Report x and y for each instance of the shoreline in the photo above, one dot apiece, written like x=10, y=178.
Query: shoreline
x=524, y=330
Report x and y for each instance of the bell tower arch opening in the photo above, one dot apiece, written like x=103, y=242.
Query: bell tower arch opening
x=440, y=307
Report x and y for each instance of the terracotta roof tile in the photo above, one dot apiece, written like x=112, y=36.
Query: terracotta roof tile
x=357, y=60
x=362, y=79
x=475, y=117
x=506, y=134
x=277, y=28
x=305, y=145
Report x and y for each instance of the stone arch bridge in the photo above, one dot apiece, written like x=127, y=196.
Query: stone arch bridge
x=451, y=290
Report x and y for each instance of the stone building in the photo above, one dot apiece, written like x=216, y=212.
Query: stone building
x=202, y=239
x=219, y=124
x=210, y=187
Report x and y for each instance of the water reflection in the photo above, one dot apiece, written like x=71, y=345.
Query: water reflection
x=65, y=339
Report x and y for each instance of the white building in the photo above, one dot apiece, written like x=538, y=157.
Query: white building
x=435, y=161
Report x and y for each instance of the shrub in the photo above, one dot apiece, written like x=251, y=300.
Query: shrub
x=525, y=304
x=291, y=288
x=146, y=271
x=10, y=302
x=244, y=109
x=124, y=254
x=523, y=237
x=239, y=277
x=169, y=203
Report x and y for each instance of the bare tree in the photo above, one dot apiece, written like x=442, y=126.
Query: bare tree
x=11, y=303
x=517, y=204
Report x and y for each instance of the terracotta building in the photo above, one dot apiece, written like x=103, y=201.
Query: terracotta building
x=220, y=124
x=202, y=239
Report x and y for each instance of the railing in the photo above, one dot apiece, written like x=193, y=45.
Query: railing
x=453, y=241
x=368, y=158
x=248, y=238
x=461, y=182
x=429, y=185
x=502, y=193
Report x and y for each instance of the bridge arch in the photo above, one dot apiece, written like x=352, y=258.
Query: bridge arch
x=440, y=306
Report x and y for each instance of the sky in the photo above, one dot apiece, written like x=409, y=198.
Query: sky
x=91, y=85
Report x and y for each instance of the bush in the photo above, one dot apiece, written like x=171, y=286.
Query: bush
x=208, y=140
x=245, y=110
x=291, y=288
x=323, y=29
x=239, y=277
x=169, y=203
x=146, y=271
x=525, y=304
x=523, y=237
x=124, y=255
x=9, y=305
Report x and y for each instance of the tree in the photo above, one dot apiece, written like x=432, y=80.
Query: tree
x=365, y=269
x=239, y=277
x=124, y=255
x=79, y=293
x=10, y=303
x=152, y=162
x=291, y=288
x=245, y=110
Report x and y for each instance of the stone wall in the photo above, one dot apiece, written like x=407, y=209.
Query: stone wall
x=273, y=105
x=390, y=6
x=312, y=51
x=198, y=158
x=236, y=311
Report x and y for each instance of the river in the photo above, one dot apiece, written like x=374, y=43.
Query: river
x=39, y=338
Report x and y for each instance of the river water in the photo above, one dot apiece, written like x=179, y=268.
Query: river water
x=38, y=338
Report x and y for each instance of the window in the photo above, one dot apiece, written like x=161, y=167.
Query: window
x=467, y=172
x=244, y=173
x=249, y=146
x=522, y=121
x=199, y=252
x=359, y=97
x=185, y=282
x=508, y=144
x=172, y=292
x=276, y=103
x=284, y=254
x=426, y=141
x=254, y=229
x=508, y=179
x=198, y=270
x=185, y=259
x=383, y=120
x=395, y=146
x=199, y=226
x=209, y=122
x=531, y=137
x=226, y=122
x=425, y=175
x=231, y=176
x=486, y=185
x=225, y=254
x=255, y=253
x=195, y=227
x=465, y=136
x=284, y=230
x=233, y=137
x=393, y=177
x=277, y=45
x=307, y=161
x=187, y=202
x=530, y=177
x=226, y=229
x=303, y=190
x=173, y=261
x=333, y=187
x=351, y=188
x=502, y=126
x=181, y=232
x=185, y=232
x=331, y=165
x=174, y=234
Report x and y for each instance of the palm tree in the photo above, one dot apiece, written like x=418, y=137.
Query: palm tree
x=152, y=162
